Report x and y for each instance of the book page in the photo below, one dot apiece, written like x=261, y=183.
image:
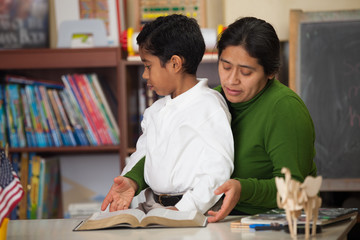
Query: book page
x=100, y=220
x=171, y=214
x=171, y=218
x=101, y=215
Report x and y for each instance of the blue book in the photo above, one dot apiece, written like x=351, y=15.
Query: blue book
x=3, y=135
x=65, y=120
x=74, y=120
x=43, y=117
x=35, y=117
x=29, y=130
x=54, y=128
x=11, y=116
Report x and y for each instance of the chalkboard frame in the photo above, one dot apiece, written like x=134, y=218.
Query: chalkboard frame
x=297, y=17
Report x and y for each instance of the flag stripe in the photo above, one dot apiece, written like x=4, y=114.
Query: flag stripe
x=13, y=183
x=11, y=190
x=13, y=201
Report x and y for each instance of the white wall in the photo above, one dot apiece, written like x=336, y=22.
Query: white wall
x=277, y=12
x=87, y=178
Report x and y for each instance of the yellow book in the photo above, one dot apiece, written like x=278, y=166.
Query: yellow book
x=135, y=218
x=34, y=192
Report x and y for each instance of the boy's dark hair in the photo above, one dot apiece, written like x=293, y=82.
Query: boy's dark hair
x=174, y=35
x=258, y=38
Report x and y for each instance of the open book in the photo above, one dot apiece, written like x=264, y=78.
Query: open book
x=136, y=218
x=326, y=216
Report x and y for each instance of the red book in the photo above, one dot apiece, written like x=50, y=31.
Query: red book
x=93, y=109
x=73, y=87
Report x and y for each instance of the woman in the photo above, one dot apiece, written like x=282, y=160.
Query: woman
x=272, y=127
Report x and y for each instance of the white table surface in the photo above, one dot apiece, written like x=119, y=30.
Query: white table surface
x=55, y=229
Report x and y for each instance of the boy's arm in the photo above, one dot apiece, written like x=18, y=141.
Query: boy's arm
x=137, y=175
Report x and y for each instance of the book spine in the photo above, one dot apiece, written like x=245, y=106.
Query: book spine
x=24, y=165
x=39, y=210
x=11, y=117
x=63, y=133
x=29, y=130
x=72, y=88
x=44, y=122
x=93, y=109
x=35, y=117
x=64, y=118
x=103, y=105
x=77, y=111
x=34, y=186
x=54, y=129
x=3, y=135
x=75, y=122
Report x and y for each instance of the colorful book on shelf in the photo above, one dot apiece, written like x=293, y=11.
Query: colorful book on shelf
x=55, y=106
x=80, y=116
x=104, y=107
x=326, y=216
x=29, y=130
x=49, y=180
x=31, y=155
x=68, y=128
x=24, y=165
x=74, y=120
x=92, y=108
x=34, y=183
x=15, y=121
x=44, y=120
x=71, y=87
x=3, y=129
x=35, y=117
x=51, y=119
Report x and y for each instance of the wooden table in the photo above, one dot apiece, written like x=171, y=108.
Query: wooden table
x=55, y=229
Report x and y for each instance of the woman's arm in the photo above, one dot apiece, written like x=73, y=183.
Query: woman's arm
x=137, y=175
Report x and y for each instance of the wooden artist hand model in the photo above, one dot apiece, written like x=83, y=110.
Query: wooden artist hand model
x=294, y=196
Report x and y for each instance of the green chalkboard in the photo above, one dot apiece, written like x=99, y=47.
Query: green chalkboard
x=328, y=74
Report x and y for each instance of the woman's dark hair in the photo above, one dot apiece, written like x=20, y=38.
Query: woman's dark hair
x=257, y=37
x=174, y=35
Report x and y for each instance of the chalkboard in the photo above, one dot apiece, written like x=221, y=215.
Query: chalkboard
x=328, y=80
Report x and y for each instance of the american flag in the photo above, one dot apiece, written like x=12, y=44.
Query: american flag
x=11, y=190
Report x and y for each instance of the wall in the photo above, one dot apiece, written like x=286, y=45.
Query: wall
x=214, y=10
x=276, y=12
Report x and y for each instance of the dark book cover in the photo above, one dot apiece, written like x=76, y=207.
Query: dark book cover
x=24, y=24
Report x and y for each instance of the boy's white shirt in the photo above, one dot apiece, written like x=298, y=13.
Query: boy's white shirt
x=189, y=147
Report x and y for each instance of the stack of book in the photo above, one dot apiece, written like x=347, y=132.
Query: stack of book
x=48, y=114
x=41, y=181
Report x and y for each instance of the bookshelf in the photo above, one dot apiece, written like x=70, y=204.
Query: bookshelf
x=51, y=64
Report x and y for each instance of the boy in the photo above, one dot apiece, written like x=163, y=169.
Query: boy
x=187, y=138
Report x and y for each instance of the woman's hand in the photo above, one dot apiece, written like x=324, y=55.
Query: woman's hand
x=232, y=190
x=120, y=195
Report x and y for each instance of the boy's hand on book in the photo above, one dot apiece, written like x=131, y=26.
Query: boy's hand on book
x=120, y=194
x=232, y=190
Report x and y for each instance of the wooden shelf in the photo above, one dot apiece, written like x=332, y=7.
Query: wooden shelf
x=51, y=64
x=59, y=58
